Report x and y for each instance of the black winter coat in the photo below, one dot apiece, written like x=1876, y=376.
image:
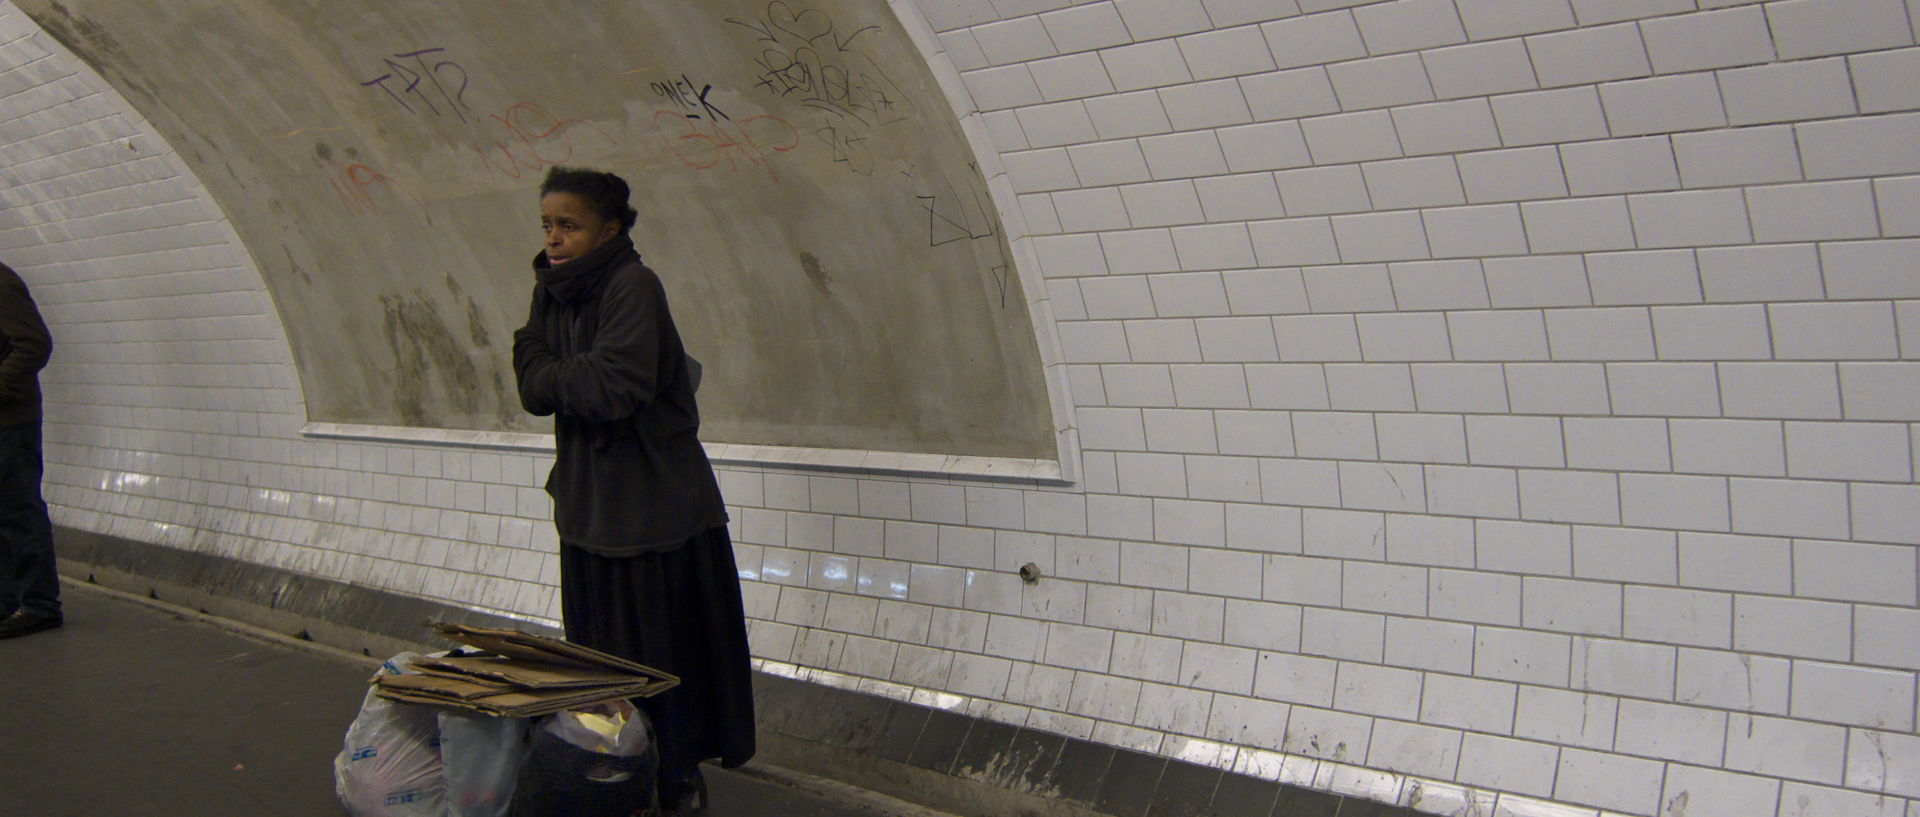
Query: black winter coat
x=600, y=353
x=25, y=346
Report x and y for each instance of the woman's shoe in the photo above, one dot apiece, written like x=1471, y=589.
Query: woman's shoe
x=688, y=798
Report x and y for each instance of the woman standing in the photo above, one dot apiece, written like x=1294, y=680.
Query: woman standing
x=646, y=566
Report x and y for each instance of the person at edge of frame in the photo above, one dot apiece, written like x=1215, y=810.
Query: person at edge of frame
x=646, y=564
x=29, y=584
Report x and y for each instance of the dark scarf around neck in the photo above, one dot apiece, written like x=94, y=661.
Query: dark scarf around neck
x=575, y=279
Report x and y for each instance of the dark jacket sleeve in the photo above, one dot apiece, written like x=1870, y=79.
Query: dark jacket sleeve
x=531, y=353
x=620, y=372
x=27, y=343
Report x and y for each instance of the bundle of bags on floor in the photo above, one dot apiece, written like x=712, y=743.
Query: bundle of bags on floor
x=455, y=759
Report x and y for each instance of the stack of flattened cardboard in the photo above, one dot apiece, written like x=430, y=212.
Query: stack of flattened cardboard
x=524, y=676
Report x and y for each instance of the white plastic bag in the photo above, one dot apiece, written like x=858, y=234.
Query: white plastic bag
x=482, y=756
x=616, y=728
x=390, y=766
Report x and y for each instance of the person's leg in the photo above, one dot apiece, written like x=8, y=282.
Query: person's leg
x=30, y=583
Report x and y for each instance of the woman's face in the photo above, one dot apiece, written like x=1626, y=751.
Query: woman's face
x=573, y=229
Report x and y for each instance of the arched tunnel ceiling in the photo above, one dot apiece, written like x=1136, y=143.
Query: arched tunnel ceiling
x=804, y=189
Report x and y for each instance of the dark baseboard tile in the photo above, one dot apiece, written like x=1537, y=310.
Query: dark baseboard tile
x=943, y=759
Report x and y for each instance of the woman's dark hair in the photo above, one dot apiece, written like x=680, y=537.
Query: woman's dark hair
x=605, y=193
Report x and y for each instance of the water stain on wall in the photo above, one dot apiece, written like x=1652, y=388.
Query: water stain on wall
x=432, y=366
x=816, y=274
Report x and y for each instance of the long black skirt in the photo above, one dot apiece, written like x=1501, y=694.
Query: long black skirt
x=679, y=612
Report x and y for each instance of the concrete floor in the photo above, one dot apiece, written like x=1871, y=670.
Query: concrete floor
x=135, y=709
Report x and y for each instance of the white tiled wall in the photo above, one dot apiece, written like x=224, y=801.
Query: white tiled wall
x=1486, y=404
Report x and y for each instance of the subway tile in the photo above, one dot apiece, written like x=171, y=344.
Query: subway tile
x=1863, y=146
x=1578, y=225
x=1132, y=114
x=1853, y=451
x=1610, y=781
x=1421, y=438
x=1243, y=197
x=1538, y=281
x=1730, y=680
x=1600, y=334
x=1796, y=627
x=1513, y=175
x=1009, y=41
x=1461, y=388
x=1883, y=637
x=1490, y=493
x=1214, y=104
x=1727, y=562
x=1226, y=52
x=1085, y=28
x=1588, y=55
x=1683, y=733
x=1446, y=127
x=1557, y=388
x=1617, y=444
x=1669, y=104
x=1498, y=19
x=1677, y=502
x=1469, y=596
x=1409, y=25
x=1343, y=634
x=1885, y=81
x=1620, y=166
x=1343, y=534
x=1560, y=605
x=1801, y=391
x=1265, y=291
x=1515, y=441
x=1469, y=232
x=1674, y=616
x=1345, y=289
x=1690, y=218
x=1868, y=269
x=1813, y=28
x=1267, y=146
x=1376, y=690
x=1803, y=800
x=1736, y=332
x=1883, y=761
x=1290, y=94
x=1828, y=331
x=1414, y=749
x=1151, y=19
x=1563, y=717
x=1550, y=116
x=1480, y=69
x=1625, y=554
x=1509, y=335
x=1521, y=655
x=1886, y=513
x=1314, y=39
x=1852, y=695
x=1813, y=212
x=1380, y=82
x=1710, y=39
x=1647, y=277
x=1722, y=794
x=1145, y=65
x=1787, y=92
x=1720, y=158
x=1375, y=387
x=1326, y=734
x=1322, y=190
x=1409, y=183
x=1854, y=571
x=1731, y=447
x=1433, y=645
